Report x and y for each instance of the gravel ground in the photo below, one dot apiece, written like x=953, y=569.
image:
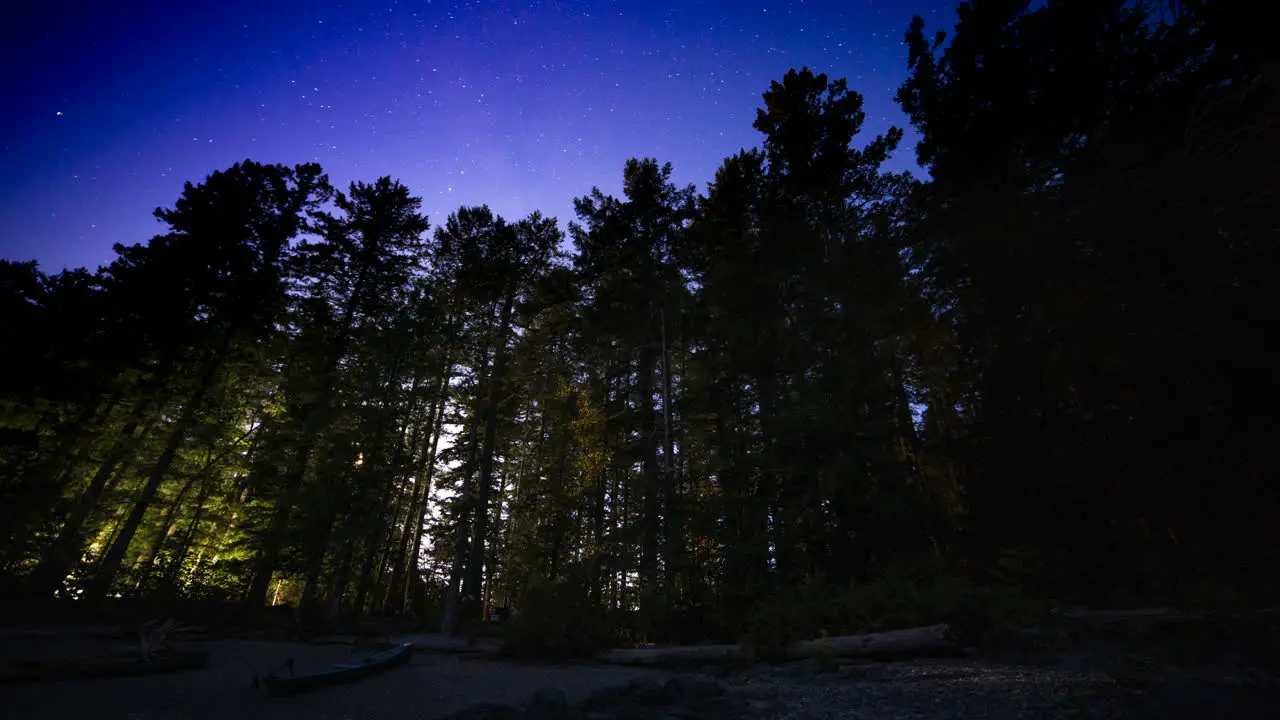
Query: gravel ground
x=930, y=689
x=953, y=689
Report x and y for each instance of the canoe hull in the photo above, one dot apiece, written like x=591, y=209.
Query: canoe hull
x=340, y=674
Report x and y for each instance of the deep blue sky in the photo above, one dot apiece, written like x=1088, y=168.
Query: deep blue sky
x=107, y=108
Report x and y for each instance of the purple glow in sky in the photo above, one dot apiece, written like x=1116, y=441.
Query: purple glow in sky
x=110, y=107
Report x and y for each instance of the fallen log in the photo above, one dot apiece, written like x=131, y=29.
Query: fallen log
x=1138, y=615
x=1154, y=616
x=930, y=639
x=897, y=643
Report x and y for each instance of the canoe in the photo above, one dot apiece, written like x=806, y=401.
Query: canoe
x=110, y=666
x=339, y=674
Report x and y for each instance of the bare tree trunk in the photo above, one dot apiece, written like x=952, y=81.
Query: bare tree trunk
x=315, y=549
x=314, y=425
x=390, y=560
x=484, y=490
x=624, y=601
x=220, y=544
x=174, y=567
x=449, y=617
x=147, y=561
x=375, y=546
x=269, y=557
x=466, y=500
x=426, y=435
x=396, y=523
x=515, y=512
x=75, y=445
x=382, y=469
x=342, y=576
x=405, y=512
x=419, y=516
x=110, y=564
x=488, y=594
x=606, y=494
x=560, y=523
x=670, y=497
x=649, y=485
x=64, y=551
x=771, y=484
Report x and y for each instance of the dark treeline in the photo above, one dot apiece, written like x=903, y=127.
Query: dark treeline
x=813, y=395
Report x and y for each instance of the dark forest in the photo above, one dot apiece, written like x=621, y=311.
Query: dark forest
x=808, y=397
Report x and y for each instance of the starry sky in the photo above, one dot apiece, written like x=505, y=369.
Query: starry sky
x=107, y=108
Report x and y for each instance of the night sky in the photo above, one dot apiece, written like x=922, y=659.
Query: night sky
x=107, y=108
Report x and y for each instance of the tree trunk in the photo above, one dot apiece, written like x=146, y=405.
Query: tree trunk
x=110, y=564
x=466, y=500
x=670, y=495
x=381, y=578
x=375, y=547
x=394, y=600
x=316, y=543
x=597, y=538
x=64, y=552
x=377, y=538
x=771, y=485
x=316, y=422
x=405, y=510
x=604, y=491
x=649, y=486
x=480, y=512
x=314, y=550
x=627, y=551
x=420, y=513
x=147, y=561
x=78, y=440
x=400, y=512
x=341, y=577
x=487, y=595
x=269, y=557
x=449, y=616
x=518, y=518
x=174, y=567
x=561, y=520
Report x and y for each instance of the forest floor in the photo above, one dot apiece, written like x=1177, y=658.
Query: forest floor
x=947, y=689
x=434, y=685
x=441, y=684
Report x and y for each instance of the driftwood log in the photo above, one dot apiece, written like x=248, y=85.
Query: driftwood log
x=921, y=640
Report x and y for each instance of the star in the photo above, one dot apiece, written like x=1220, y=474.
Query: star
x=417, y=79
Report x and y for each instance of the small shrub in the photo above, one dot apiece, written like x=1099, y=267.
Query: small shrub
x=557, y=620
x=826, y=657
x=911, y=591
x=784, y=617
x=1207, y=594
